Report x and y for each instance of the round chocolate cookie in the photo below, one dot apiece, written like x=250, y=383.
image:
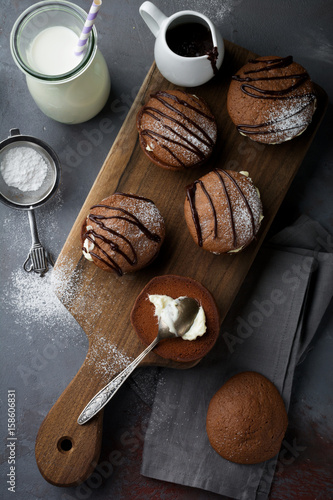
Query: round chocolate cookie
x=123, y=233
x=145, y=322
x=176, y=130
x=271, y=99
x=246, y=419
x=223, y=211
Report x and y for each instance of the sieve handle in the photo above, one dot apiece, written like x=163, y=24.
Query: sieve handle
x=38, y=258
x=33, y=227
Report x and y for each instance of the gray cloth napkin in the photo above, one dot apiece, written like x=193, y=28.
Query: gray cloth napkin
x=268, y=329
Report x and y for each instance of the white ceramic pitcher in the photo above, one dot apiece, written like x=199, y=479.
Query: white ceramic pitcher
x=184, y=71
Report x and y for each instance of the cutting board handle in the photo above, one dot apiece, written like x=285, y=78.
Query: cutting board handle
x=66, y=452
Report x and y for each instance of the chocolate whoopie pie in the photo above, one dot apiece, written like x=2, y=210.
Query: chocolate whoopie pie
x=223, y=211
x=145, y=322
x=176, y=129
x=246, y=419
x=123, y=233
x=271, y=99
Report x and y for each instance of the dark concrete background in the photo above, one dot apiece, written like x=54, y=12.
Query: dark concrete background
x=42, y=347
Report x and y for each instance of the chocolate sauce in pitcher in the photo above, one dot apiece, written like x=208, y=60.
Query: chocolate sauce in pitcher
x=192, y=40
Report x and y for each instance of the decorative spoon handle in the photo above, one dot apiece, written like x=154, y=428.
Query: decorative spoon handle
x=106, y=393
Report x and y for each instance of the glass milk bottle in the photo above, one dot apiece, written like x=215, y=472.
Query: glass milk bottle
x=66, y=87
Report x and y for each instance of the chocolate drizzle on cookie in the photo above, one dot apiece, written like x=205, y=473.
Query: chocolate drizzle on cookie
x=93, y=236
x=293, y=113
x=184, y=133
x=191, y=193
x=269, y=65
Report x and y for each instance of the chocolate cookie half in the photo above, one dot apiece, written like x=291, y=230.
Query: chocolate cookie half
x=177, y=130
x=271, y=99
x=246, y=419
x=223, y=211
x=123, y=233
x=145, y=322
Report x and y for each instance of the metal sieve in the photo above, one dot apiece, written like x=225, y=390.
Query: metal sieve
x=38, y=258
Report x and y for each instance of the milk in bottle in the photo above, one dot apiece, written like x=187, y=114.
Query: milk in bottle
x=66, y=87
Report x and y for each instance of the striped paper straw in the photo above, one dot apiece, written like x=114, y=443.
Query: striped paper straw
x=90, y=21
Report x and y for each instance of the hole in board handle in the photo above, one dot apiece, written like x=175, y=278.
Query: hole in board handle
x=65, y=444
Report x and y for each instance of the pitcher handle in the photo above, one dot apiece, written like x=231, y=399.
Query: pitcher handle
x=152, y=16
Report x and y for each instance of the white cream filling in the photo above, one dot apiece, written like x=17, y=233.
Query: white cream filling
x=166, y=310
x=236, y=249
x=88, y=246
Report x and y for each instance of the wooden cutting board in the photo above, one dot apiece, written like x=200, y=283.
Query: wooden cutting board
x=101, y=302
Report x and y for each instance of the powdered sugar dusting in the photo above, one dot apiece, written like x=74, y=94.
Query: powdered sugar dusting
x=283, y=121
x=36, y=303
x=229, y=211
x=31, y=296
x=176, y=134
x=66, y=279
x=184, y=139
x=106, y=359
x=69, y=282
x=271, y=99
x=243, y=213
x=216, y=10
x=128, y=232
x=290, y=118
x=34, y=300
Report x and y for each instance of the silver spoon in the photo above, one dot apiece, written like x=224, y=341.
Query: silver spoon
x=188, y=309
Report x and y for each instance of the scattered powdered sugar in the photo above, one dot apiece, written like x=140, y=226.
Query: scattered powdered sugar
x=30, y=296
x=23, y=168
x=216, y=10
x=106, y=359
x=34, y=301
x=68, y=282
